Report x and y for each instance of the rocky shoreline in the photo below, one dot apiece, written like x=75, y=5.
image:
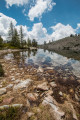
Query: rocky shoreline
x=5, y=51
x=42, y=93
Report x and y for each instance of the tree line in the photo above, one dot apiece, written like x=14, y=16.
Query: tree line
x=16, y=39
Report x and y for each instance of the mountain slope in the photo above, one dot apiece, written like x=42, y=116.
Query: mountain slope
x=68, y=43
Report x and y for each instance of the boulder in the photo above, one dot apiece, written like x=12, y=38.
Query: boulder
x=3, y=91
x=57, y=112
x=22, y=84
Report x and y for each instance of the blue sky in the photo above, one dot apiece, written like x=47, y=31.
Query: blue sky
x=52, y=18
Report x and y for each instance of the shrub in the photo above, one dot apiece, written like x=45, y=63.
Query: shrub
x=10, y=114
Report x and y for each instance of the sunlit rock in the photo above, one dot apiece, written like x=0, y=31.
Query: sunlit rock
x=30, y=114
x=40, y=69
x=60, y=93
x=3, y=91
x=22, y=84
x=53, y=84
x=8, y=100
x=32, y=96
x=10, y=86
x=55, y=109
x=43, y=86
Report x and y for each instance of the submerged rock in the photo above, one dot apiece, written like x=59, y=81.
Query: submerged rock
x=8, y=100
x=22, y=84
x=32, y=96
x=43, y=86
x=40, y=69
x=49, y=92
x=77, y=97
x=3, y=91
x=77, y=94
x=30, y=114
x=53, y=84
x=60, y=93
x=10, y=86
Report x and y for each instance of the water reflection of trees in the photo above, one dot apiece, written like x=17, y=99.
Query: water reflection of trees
x=34, y=52
x=20, y=57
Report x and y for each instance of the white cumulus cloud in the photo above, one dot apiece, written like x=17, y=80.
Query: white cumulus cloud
x=61, y=31
x=40, y=7
x=38, y=32
x=78, y=26
x=9, y=3
x=4, y=24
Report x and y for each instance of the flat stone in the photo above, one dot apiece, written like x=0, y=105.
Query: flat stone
x=28, y=103
x=17, y=81
x=78, y=81
x=8, y=100
x=49, y=92
x=22, y=84
x=77, y=97
x=43, y=86
x=53, y=84
x=32, y=96
x=0, y=86
x=50, y=68
x=30, y=114
x=71, y=91
x=12, y=79
x=60, y=93
x=3, y=91
x=10, y=86
x=40, y=69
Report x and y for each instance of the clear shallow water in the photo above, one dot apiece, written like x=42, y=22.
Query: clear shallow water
x=46, y=59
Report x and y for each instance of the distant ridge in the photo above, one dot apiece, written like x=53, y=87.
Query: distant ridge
x=71, y=43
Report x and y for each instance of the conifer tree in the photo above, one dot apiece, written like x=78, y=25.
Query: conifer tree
x=29, y=43
x=10, y=32
x=34, y=43
x=1, y=42
x=21, y=37
x=15, y=40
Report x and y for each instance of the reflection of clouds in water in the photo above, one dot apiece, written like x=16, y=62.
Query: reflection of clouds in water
x=48, y=57
x=58, y=59
x=76, y=68
x=9, y=56
x=54, y=58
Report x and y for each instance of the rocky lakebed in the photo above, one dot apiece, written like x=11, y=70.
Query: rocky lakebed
x=41, y=85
